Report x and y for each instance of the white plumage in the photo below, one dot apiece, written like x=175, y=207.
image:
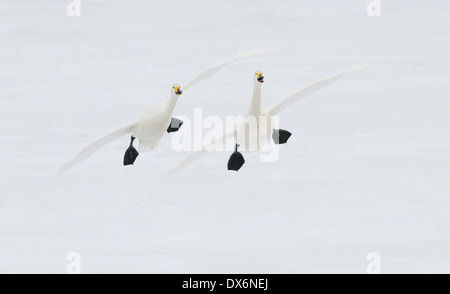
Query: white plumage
x=153, y=122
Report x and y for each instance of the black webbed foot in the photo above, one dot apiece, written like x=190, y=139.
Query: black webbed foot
x=175, y=125
x=236, y=160
x=280, y=136
x=131, y=154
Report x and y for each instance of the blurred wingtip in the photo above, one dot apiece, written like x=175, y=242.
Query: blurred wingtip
x=367, y=63
x=253, y=52
x=49, y=181
x=148, y=192
x=358, y=66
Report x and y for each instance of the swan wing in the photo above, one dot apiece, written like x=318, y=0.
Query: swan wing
x=312, y=88
x=93, y=146
x=188, y=160
x=218, y=66
x=185, y=161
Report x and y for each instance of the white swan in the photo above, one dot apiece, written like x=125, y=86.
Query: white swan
x=153, y=122
x=255, y=109
x=150, y=127
x=254, y=132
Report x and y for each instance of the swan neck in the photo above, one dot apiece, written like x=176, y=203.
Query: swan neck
x=255, y=107
x=172, y=102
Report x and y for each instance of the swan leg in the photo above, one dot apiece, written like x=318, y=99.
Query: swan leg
x=175, y=125
x=236, y=160
x=280, y=136
x=131, y=154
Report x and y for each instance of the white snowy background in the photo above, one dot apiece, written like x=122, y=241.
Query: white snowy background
x=367, y=168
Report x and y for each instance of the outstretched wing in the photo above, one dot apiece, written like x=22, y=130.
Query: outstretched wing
x=218, y=66
x=312, y=88
x=92, y=147
x=189, y=159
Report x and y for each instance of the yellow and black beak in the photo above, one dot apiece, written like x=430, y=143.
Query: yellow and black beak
x=178, y=90
x=260, y=77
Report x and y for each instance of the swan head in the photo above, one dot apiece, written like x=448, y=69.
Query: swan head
x=176, y=89
x=258, y=77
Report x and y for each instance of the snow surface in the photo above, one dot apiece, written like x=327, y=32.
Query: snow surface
x=367, y=168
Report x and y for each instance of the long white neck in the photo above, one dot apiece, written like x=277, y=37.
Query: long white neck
x=255, y=107
x=172, y=102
